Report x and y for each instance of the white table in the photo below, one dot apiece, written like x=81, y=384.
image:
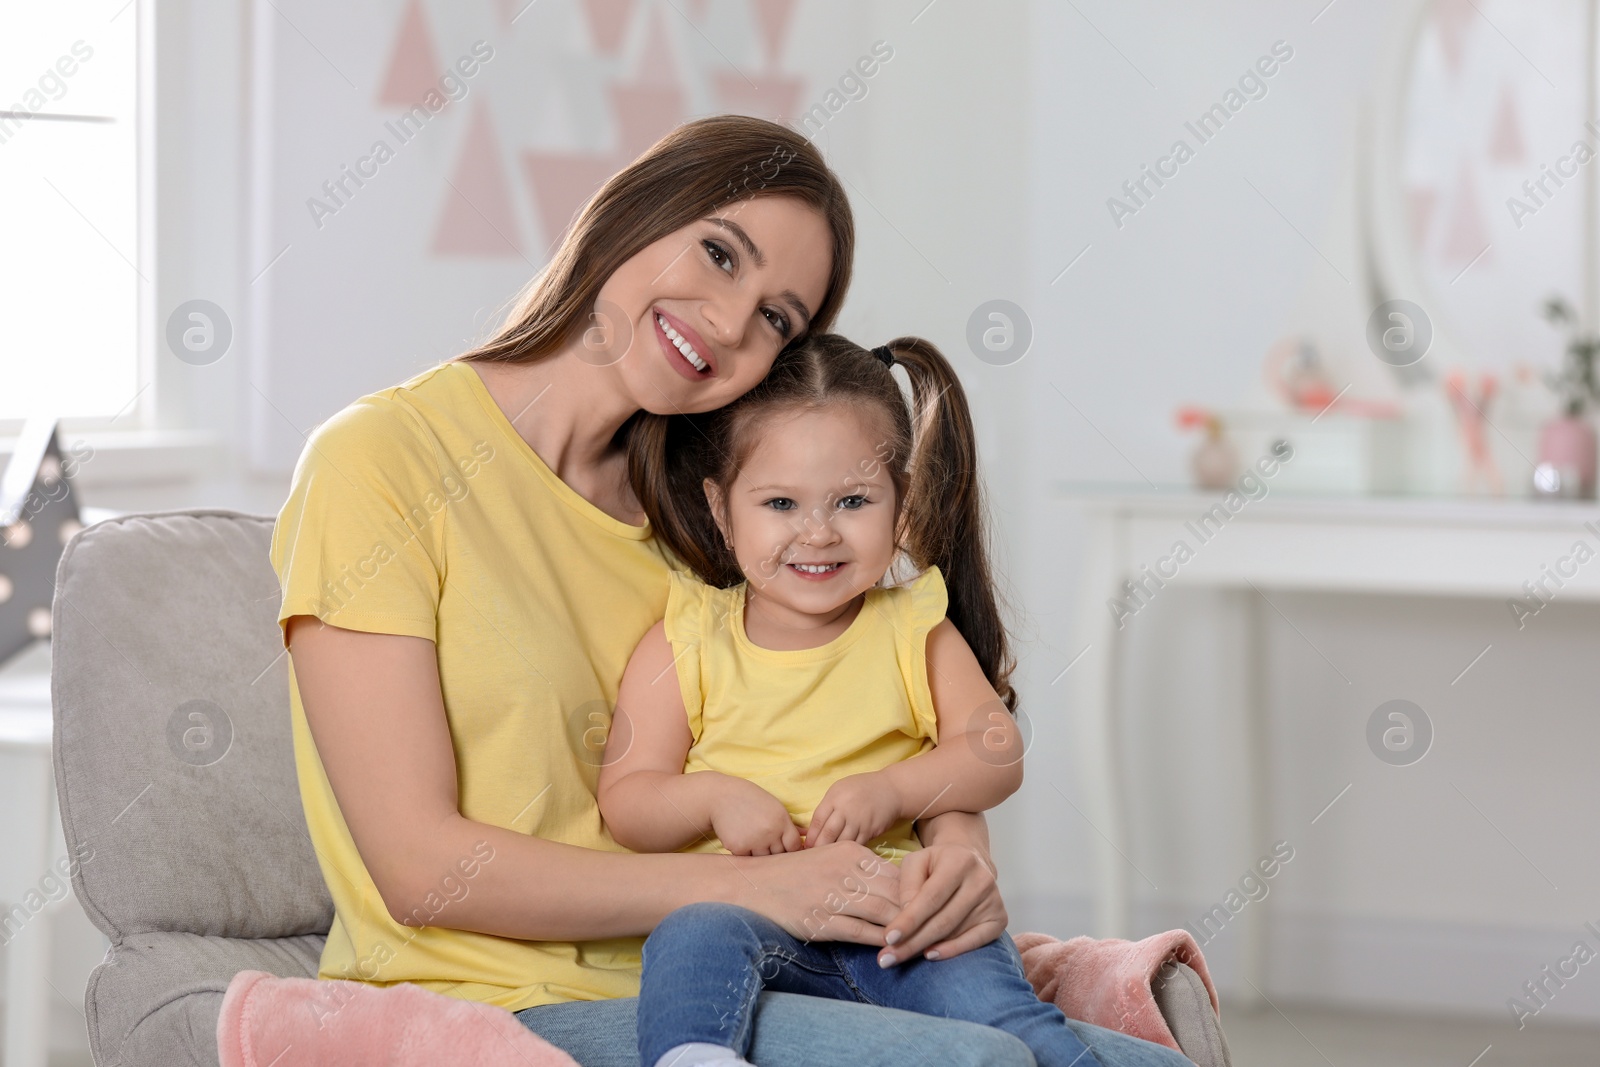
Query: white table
x=1416, y=546
x=33, y=846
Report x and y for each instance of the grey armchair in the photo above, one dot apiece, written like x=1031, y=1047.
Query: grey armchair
x=176, y=781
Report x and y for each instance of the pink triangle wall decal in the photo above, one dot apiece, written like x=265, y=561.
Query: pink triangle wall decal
x=1506, y=144
x=1452, y=19
x=477, y=218
x=644, y=113
x=656, y=65
x=608, y=20
x=562, y=184
x=766, y=96
x=1468, y=233
x=772, y=18
x=414, y=64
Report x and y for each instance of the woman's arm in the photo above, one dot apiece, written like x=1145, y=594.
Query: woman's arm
x=376, y=713
x=976, y=764
x=648, y=803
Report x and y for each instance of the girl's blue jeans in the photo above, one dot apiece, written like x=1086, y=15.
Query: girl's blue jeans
x=707, y=965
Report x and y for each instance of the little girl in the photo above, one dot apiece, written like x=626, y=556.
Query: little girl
x=789, y=699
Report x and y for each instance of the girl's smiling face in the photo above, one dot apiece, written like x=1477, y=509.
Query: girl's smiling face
x=811, y=512
x=709, y=306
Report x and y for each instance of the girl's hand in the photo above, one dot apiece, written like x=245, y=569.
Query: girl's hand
x=952, y=901
x=858, y=808
x=749, y=821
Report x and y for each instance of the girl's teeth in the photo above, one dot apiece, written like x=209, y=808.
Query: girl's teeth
x=815, y=568
x=682, y=345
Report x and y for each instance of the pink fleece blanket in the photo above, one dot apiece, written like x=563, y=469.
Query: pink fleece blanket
x=1108, y=982
x=302, y=1022
x=268, y=1021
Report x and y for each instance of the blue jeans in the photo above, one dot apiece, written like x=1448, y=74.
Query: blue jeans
x=707, y=965
x=794, y=1031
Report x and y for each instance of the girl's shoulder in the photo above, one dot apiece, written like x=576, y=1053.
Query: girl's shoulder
x=920, y=601
x=695, y=608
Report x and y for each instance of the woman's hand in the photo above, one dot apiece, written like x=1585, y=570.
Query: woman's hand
x=749, y=821
x=859, y=807
x=837, y=892
x=951, y=899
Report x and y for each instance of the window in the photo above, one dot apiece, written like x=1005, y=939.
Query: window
x=70, y=263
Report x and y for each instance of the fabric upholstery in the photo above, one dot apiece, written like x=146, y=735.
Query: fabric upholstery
x=191, y=851
x=154, y=1000
x=1185, y=1003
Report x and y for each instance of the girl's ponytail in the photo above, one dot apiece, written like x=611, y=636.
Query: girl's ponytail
x=943, y=522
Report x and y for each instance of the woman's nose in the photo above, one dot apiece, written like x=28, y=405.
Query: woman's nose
x=727, y=320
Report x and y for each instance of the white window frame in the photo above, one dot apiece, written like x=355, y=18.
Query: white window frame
x=150, y=439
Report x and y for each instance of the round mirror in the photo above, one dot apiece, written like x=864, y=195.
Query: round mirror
x=1485, y=175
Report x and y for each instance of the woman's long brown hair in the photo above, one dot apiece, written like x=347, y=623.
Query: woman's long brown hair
x=686, y=176
x=929, y=449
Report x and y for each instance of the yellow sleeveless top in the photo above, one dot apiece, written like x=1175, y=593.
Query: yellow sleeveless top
x=796, y=721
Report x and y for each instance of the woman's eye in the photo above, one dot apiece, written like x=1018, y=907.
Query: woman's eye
x=779, y=320
x=781, y=503
x=719, y=255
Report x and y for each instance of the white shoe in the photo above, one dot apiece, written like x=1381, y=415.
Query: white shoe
x=702, y=1054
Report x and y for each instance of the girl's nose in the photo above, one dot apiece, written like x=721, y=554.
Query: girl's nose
x=817, y=531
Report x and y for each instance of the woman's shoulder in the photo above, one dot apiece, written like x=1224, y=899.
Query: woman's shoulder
x=381, y=429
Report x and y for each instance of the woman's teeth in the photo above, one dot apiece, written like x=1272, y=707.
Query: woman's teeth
x=815, y=568
x=682, y=346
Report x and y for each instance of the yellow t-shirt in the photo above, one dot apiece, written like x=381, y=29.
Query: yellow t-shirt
x=796, y=721
x=420, y=511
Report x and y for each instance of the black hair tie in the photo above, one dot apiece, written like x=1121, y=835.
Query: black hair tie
x=883, y=353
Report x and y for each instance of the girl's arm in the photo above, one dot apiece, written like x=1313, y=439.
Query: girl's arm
x=648, y=803
x=976, y=764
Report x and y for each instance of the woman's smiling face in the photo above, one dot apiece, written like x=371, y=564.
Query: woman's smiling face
x=710, y=305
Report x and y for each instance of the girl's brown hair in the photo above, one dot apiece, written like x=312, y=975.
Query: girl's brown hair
x=929, y=449
x=686, y=176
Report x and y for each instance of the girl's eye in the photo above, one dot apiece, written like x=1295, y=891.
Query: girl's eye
x=779, y=320
x=851, y=503
x=719, y=255
x=781, y=503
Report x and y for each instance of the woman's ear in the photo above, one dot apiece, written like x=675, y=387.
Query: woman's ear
x=715, y=501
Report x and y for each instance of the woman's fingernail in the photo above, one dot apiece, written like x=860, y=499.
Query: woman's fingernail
x=894, y=937
x=886, y=961
x=930, y=955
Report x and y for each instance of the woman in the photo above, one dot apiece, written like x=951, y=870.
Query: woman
x=465, y=573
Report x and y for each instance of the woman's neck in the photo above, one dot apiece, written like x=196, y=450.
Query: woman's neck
x=569, y=412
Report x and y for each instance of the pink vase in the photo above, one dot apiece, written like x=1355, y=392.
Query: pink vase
x=1566, y=466
x=1214, y=463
